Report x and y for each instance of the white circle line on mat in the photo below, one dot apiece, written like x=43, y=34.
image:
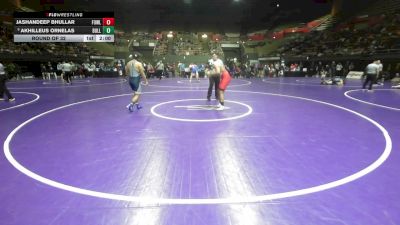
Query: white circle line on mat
x=22, y=104
x=347, y=94
x=200, y=201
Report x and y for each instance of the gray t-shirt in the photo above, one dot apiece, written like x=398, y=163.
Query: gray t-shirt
x=66, y=67
x=372, y=68
x=2, y=72
x=160, y=66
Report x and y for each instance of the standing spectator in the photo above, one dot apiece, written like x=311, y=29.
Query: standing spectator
x=319, y=69
x=150, y=70
x=237, y=71
x=74, y=69
x=159, y=69
x=59, y=70
x=266, y=70
x=120, y=68
x=276, y=69
x=67, y=68
x=51, y=71
x=201, y=70
x=85, y=68
x=351, y=66
x=43, y=70
x=93, y=69
x=333, y=69
x=3, y=87
x=340, y=73
x=339, y=69
x=181, y=67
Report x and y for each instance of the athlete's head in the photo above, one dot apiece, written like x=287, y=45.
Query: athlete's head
x=135, y=55
x=214, y=55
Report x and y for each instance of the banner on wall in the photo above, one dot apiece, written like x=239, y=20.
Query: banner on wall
x=355, y=75
x=230, y=45
x=232, y=35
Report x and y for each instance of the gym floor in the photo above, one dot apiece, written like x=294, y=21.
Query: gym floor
x=284, y=151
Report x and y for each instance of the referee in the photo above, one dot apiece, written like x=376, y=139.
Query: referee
x=372, y=71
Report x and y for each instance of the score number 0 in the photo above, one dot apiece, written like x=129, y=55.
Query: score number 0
x=108, y=21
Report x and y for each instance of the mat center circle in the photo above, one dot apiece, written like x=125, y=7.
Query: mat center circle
x=200, y=110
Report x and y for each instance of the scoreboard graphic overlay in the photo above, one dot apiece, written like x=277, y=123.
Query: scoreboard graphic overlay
x=64, y=26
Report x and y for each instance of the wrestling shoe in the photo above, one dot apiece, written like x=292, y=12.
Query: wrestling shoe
x=220, y=108
x=130, y=107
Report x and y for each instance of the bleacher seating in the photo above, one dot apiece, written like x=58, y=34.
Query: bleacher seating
x=373, y=35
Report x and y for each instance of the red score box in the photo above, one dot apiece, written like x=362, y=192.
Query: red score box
x=108, y=21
